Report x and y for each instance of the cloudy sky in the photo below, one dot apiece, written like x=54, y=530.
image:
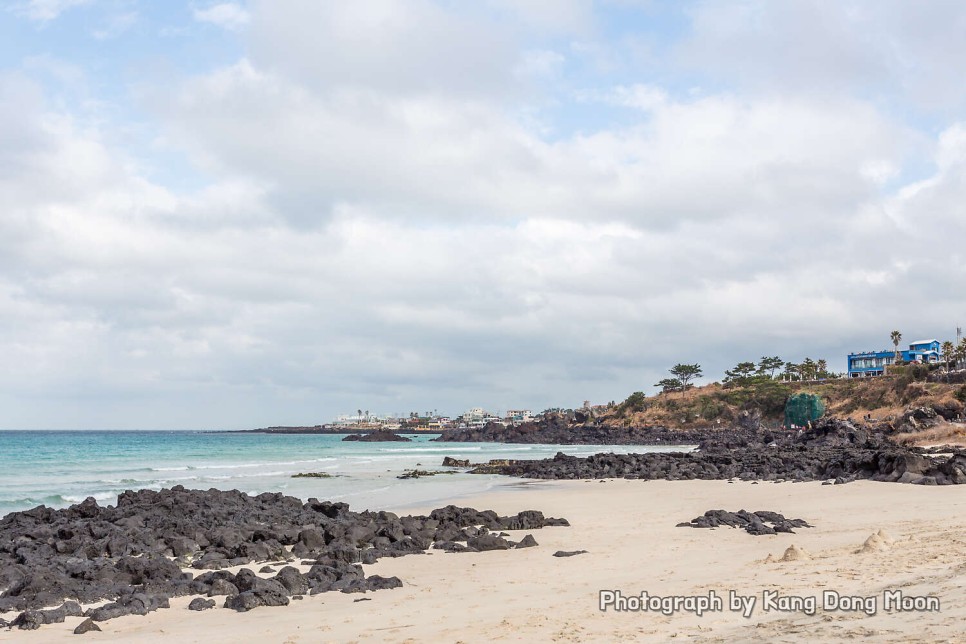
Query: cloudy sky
x=229, y=215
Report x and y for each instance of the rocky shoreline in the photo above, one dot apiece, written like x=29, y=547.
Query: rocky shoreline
x=135, y=553
x=559, y=431
x=832, y=450
x=378, y=437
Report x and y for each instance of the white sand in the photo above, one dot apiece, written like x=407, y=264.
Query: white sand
x=628, y=527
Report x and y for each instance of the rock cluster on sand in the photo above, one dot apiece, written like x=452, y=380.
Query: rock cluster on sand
x=378, y=437
x=755, y=523
x=87, y=553
x=832, y=449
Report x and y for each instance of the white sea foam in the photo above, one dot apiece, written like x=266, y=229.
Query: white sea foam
x=98, y=496
x=421, y=450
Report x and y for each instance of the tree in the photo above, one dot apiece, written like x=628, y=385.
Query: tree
x=741, y=376
x=896, y=339
x=670, y=384
x=686, y=373
x=791, y=371
x=770, y=365
x=821, y=368
x=949, y=350
x=637, y=401
x=807, y=369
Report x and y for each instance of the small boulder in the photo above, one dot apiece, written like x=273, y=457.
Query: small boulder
x=527, y=542
x=200, y=603
x=86, y=626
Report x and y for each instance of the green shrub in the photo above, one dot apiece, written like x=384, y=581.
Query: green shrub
x=637, y=401
x=770, y=397
x=709, y=408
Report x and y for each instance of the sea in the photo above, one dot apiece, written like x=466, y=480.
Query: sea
x=61, y=468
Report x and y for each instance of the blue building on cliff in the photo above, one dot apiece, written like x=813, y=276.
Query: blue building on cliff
x=873, y=363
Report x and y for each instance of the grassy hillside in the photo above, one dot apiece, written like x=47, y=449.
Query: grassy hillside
x=883, y=398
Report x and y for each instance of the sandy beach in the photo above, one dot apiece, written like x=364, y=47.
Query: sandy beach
x=628, y=529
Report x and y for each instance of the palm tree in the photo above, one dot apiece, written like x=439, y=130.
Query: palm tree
x=822, y=367
x=896, y=338
x=948, y=349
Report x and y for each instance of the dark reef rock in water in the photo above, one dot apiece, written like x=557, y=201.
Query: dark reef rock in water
x=87, y=553
x=377, y=437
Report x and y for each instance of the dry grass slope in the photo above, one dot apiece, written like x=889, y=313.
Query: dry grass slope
x=701, y=407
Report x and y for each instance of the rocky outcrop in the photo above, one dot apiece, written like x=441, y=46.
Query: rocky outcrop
x=831, y=449
x=87, y=553
x=557, y=431
x=377, y=437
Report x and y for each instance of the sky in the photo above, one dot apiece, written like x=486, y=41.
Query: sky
x=239, y=214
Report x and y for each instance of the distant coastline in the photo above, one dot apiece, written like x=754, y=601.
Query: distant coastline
x=326, y=429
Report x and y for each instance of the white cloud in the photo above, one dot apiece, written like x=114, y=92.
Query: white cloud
x=116, y=24
x=637, y=96
x=890, y=49
x=46, y=10
x=405, y=48
x=227, y=15
x=380, y=228
x=540, y=63
x=455, y=159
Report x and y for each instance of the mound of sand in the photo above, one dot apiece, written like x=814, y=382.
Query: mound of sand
x=874, y=543
x=794, y=553
x=886, y=537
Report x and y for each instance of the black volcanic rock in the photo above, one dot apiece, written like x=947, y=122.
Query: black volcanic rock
x=527, y=542
x=754, y=523
x=558, y=431
x=831, y=449
x=86, y=626
x=87, y=553
x=199, y=603
x=377, y=437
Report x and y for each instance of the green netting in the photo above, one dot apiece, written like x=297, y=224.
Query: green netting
x=803, y=408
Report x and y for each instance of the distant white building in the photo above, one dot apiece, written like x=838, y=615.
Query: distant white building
x=517, y=416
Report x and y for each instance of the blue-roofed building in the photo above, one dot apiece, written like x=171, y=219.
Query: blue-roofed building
x=874, y=363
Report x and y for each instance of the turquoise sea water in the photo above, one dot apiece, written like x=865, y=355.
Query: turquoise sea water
x=59, y=468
